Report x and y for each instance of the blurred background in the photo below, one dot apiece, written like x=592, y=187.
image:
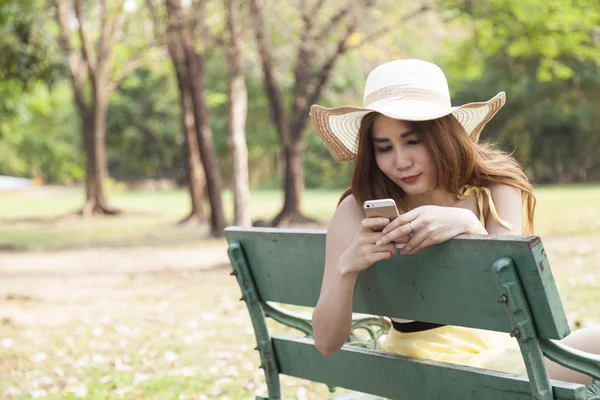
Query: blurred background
x=132, y=132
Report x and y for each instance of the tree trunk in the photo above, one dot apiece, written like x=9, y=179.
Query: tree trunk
x=196, y=181
x=238, y=110
x=238, y=149
x=209, y=160
x=195, y=66
x=294, y=185
x=94, y=133
x=193, y=165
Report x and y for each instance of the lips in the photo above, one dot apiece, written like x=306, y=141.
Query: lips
x=410, y=179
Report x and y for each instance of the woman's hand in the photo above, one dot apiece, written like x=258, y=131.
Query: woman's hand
x=432, y=225
x=364, y=252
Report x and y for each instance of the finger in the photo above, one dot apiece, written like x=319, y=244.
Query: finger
x=425, y=243
x=375, y=257
x=374, y=223
x=369, y=237
x=403, y=239
x=402, y=219
x=414, y=242
x=391, y=247
x=373, y=248
x=395, y=234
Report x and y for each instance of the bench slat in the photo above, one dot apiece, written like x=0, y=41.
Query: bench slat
x=428, y=286
x=401, y=377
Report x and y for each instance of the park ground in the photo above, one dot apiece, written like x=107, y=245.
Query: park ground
x=137, y=307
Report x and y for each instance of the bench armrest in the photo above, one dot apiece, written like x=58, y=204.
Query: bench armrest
x=577, y=360
x=374, y=326
x=296, y=320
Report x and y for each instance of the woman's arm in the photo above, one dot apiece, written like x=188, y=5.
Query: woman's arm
x=350, y=248
x=332, y=317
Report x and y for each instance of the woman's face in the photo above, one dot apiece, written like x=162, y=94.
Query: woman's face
x=401, y=155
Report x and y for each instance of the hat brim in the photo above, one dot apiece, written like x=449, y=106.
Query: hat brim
x=338, y=126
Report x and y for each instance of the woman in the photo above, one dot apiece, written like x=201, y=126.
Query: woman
x=409, y=144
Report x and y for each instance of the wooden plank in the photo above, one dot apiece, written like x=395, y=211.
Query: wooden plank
x=400, y=377
x=450, y=283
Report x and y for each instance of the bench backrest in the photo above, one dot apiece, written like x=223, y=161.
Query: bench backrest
x=450, y=283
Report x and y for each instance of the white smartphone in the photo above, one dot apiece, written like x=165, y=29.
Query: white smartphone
x=385, y=208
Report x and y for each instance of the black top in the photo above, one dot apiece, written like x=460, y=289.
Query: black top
x=414, y=326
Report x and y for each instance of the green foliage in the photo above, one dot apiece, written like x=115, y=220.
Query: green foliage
x=26, y=59
x=548, y=33
x=26, y=49
x=43, y=140
x=144, y=127
x=322, y=170
x=25, y=55
x=544, y=54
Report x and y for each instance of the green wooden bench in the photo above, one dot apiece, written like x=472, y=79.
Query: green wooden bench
x=502, y=284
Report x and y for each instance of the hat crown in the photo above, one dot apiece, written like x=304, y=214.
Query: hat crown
x=407, y=79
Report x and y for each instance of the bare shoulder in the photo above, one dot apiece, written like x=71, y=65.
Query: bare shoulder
x=507, y=201
x=349, y=204
x=348, y=213
x=503, y=193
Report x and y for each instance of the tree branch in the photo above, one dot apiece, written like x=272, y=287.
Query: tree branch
x=311, y=97
x=322, y=35
x=283, y=27
x=272, y=88
x=76, y=66
x=130, y=65
x=383, y=30
x=198, y=22
x=88, y=56
x=110, y=28
x=316, y=7
x=117, y=23
x=303, y=60
x=159, y=31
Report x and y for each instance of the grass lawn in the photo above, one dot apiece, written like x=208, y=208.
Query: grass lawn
x=69, y=332
x=27, y=217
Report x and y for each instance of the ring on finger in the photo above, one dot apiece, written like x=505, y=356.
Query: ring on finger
x=412, y=232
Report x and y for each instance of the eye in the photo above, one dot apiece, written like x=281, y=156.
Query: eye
x=383, y=149
x=414, y=141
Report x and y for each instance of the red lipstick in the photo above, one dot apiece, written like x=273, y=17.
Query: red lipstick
x=410, y=179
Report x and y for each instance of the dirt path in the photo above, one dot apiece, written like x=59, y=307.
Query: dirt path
x=113, y=260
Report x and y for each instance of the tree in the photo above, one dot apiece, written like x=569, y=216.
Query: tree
x=188, y=57
x=93, y=79
x=311, y=76
x=194, y=169
x=238, y=109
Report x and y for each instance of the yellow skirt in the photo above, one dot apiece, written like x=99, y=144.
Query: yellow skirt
x=458, y=345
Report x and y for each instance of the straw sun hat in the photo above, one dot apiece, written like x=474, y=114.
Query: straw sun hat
x=410, y=90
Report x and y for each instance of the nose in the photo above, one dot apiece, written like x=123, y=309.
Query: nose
x=403, y=160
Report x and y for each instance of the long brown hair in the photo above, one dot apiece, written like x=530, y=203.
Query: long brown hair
x=458, y=161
